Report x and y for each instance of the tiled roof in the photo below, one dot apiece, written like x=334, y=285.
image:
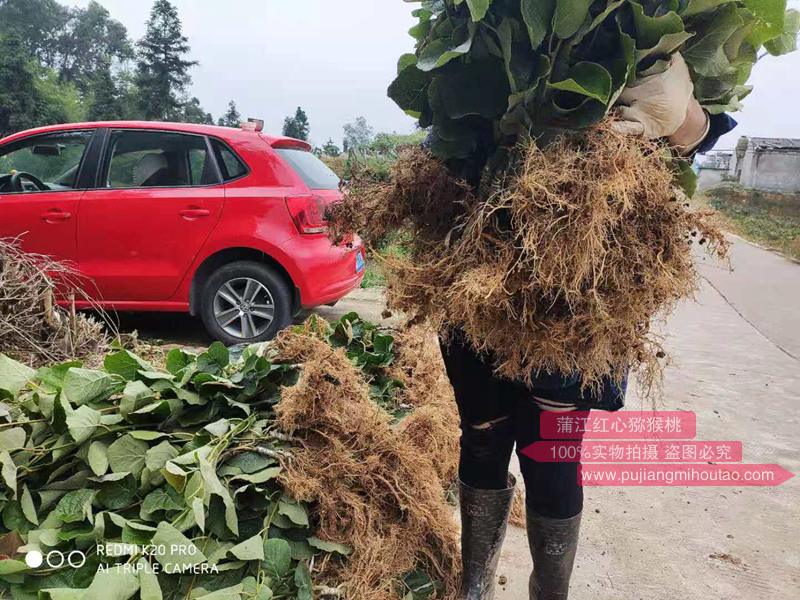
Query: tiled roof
x=775, y=143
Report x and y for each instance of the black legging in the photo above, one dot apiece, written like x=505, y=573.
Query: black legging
x=495, y=415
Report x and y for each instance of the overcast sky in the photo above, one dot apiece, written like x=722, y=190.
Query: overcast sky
x=336, y=59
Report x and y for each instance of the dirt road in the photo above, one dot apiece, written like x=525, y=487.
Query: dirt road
x=735, y=362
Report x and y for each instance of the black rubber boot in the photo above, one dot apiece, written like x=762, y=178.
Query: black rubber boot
x=484, y=518
x=553, y=543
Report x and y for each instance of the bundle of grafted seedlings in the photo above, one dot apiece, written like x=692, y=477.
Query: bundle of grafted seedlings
x=560, y=266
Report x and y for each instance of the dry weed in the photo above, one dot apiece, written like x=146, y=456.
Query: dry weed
x=33, y=328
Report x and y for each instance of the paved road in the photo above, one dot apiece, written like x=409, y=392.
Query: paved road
x=734, y=363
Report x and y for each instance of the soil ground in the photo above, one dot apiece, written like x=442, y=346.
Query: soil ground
x=736, y=363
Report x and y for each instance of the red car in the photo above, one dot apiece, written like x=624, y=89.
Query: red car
x=219, y=222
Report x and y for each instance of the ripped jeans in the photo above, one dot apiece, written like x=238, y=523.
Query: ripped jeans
x=495, y=416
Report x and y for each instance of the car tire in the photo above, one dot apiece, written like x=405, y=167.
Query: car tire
x=235, y=303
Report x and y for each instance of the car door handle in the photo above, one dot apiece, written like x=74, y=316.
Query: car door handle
x=56, y=215
x=194, y=213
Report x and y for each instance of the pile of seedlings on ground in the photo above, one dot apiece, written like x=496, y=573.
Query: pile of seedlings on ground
x=285, y=470
x=32, y=327
x=551, y=241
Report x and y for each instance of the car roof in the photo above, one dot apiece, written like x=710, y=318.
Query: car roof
x=229, y=134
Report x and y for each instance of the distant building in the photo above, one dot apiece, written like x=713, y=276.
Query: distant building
x=714, y=169
x=768, y=164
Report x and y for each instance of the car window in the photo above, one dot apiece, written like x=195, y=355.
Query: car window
x=315, y=173
x=54, y=159
x=140, y=159
x=231, y=165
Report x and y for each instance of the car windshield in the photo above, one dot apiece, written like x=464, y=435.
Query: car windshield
x=53, y=159
x=315, y=173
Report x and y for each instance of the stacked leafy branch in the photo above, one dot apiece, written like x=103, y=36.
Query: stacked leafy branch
x=175, y=483
x=546, y=238
x=484, y=69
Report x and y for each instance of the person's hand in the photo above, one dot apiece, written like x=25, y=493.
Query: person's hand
x=657, y=106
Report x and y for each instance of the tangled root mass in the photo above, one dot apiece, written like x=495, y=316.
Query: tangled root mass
x=561, y=267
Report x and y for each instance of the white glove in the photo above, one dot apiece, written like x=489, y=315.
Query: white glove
x=656, y=106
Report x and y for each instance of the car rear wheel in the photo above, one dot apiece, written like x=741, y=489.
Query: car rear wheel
x=245, y=302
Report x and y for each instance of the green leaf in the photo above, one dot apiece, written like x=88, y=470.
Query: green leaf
x=127, y=454
x=113, y=583
x=82, y=423
x=175, y=552
x=28, y=508
x=13, y=375
x=149, y=588
x=125, y=364
x=707, y=55
x=117, y=491
x=158, y=456
x=786, y=42
x=250, y=549
x=538, y=17
x=177, y=360
x=771, y=13
x=588, y=79
x=569, y=16
x=439, y=52
x=302, y=579
x=75, y=507
x=478, y=8
x=259, y=477
x=9, y=567
x=277, y=557
x=294, y=512
x=159, y=500
x=98, y=458
x=650, y=30
x=330, y=547
x=229, y=593
x=84, y=385
x=685, y=176
x=12, y=439
x=696, y=7
x=199, y=513
x=134, y=396
x=8, y=471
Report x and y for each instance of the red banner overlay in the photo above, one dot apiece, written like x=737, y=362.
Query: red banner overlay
x=635, y=451
x=683, y=475
x=628, y=425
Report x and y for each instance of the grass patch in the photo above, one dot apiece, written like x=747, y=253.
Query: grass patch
x=374, y=276
x=768, y=219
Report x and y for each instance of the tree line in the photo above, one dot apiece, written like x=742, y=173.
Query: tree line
x=61, y=64
x=64, y=64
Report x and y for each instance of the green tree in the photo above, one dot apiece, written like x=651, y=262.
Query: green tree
x=75, y=42
x=297, y=127
x=331, y=149
x=357, y=135
x=19, y=97
x=88, y=43
x=105, y=104
x=162, y=67
x=193, y=112
x=231, y=118
x=37, y=23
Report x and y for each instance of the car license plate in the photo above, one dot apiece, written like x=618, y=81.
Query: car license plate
x=359, y=262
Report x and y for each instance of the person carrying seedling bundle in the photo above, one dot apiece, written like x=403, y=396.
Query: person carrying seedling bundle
x=497, y=414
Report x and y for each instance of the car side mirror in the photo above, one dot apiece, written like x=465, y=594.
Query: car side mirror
x=46, y=150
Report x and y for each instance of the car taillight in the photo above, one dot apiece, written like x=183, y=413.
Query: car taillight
x=308, y=214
